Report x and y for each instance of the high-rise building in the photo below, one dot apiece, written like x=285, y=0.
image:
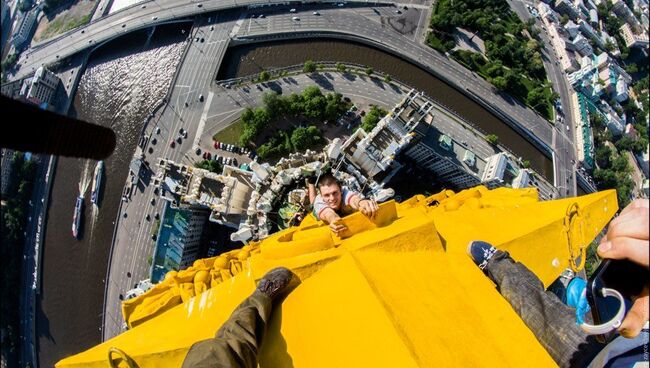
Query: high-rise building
x=582, y=45
x=621, y=10
x=41, y=88
x=26, y=28
x=179, y=239
x=565, y=7
x=632, y=39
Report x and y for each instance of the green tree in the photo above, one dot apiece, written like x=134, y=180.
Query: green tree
x=620, y=164
x=493, y=139
x=369, y=71
x=372, y=118
x=309, y=67
x=565, y=19
x=603, y=156
x=303, y=138
x=525, y=164
x=274, y=104
x=536, y=97
x=264, y=76
x=340, y=67
x=387, y=78
x=500, y=83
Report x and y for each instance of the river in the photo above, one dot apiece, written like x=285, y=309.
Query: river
x=118, y=89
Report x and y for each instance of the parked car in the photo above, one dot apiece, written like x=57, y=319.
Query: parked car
x=216, y=144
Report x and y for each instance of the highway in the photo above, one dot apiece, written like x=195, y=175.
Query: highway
x=104, y=29
x=363, y=24
x=133, y=244
x=563, y=139
x=211, y=35
x=362, y=21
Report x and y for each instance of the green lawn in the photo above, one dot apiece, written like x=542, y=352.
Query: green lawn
x=231, y=134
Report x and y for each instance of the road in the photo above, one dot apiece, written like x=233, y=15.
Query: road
x=563, y=139
x=364, y=24
x=361, y=21
x=140, y=16
x=30, y=284
x=133, y=245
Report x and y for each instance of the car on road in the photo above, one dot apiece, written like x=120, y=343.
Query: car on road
x=398, y=11
x=262, y=16
x=154, y=237
x=157, y=130
x=568, y=128
x=150, y=150
x=123, y=25
x=83, y=31
x=148, y=217
x=143, y=7
x=292, y=10
x=153, y=201
x=154, y=141
x=340, y=5
x=156, y=216
x=172, y=144
x=199, y=5
x=179, y=140
x=154, y=18
x=316, y=13
x=201, y=98
x=198, y=151
x=295, y=18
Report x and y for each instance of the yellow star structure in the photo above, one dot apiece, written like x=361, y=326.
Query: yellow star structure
x=399, y=291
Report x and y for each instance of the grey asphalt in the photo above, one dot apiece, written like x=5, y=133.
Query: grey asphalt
x=562, y=140
x=133, y=244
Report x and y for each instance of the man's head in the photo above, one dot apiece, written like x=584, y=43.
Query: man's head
x=330, y=191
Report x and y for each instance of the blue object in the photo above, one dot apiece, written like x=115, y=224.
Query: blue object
x=576, y=297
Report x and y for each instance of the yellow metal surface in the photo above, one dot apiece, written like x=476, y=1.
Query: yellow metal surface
x=399, y=291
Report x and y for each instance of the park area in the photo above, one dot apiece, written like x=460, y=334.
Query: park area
x=488, y=38
x=64, y=18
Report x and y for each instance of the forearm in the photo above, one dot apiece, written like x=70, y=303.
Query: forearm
x=329, y=216
x=356, y=201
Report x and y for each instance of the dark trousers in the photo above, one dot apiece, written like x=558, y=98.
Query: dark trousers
x=552, y=322
x=237, y=342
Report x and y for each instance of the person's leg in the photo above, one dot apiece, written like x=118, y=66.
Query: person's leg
x=551, y=321
x=237, y=342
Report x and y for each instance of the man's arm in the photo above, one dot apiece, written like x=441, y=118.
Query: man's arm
x=367, y=206
x=330, y=217
x=311, y=190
